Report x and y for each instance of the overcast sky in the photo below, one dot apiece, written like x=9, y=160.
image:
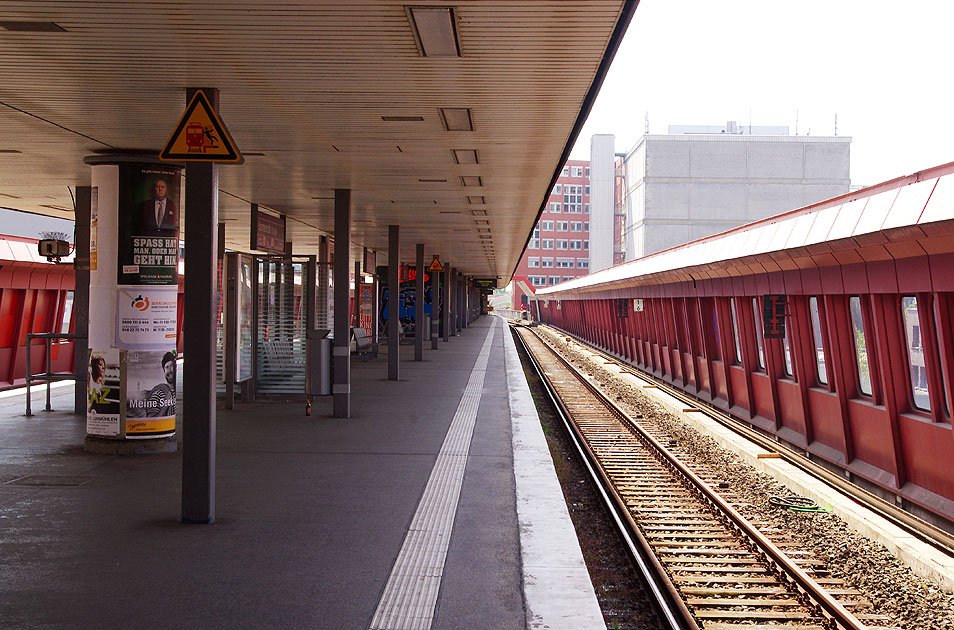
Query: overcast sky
x=883, y=67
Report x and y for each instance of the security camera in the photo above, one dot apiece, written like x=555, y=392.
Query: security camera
x=53, y=249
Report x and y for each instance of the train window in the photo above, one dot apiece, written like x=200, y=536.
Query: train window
x=758, y=332
x=861, y=348
x=820, y=371
x=735, y=331
x=67, y=312
x=711, y=313
x=916, y=365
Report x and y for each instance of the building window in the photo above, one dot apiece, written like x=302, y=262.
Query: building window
x=557, y=190
x=587, y=171
x=586, y=191
x=562, y=226
x=538, y=281
x=861, y=346
x=547, y=243
x=735, y=332
x=547, y=226
x=821, y=371
x=586, y=208
x=759, y=341
x=916, y=364
x=561, y=244
x=567, y=278
x=565, y=263
x=534, y=244
x=67, y=313
x=573, y=198
x=576, y=226
x=586, y=226
x=536, y=232
x=546, y=263
x=533, y=262
x=556, y=207
x=586, y=244
x=582, y=264
x=551, y=280
x=577, y=171
x=566, y=171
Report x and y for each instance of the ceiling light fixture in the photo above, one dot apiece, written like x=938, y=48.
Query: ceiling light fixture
x=465, y=156
x=479, y=213
x=475, y=200
x=457, y=119
x=435, y=31
x=402, y=118
x=32, y=27
x=432, y=181
x=471, y=180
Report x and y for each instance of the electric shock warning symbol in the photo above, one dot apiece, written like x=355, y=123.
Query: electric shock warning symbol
x=200, y=136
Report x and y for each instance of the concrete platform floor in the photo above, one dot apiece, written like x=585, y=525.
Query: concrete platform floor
x=311, y=512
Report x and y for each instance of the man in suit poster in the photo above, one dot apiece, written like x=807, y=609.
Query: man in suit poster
x=148, y=225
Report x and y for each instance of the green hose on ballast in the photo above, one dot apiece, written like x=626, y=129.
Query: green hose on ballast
x=797, y=504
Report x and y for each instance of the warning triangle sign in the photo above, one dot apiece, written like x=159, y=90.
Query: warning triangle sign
x=436, y=265
x=201, y=136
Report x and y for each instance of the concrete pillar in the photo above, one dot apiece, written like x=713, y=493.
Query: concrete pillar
x=342, y=329
x=81, y=298
x=394, y=309
x=435, y=308
x=445, y=299
x=459, y=303
x=419, y=305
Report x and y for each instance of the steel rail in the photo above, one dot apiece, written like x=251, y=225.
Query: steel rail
x=786, y=567
x=924, y=531
x=668, y=600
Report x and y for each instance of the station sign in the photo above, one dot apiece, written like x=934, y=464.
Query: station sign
x=201, y=136
x=268, y=231
x=773, y=316
x=485, y=284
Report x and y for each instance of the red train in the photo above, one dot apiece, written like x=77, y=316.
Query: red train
x=36, y=297
x=861, y=379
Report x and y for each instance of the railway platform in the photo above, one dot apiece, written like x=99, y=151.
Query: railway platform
x=434, y=506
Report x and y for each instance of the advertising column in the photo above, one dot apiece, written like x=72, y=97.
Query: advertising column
x=133, y=304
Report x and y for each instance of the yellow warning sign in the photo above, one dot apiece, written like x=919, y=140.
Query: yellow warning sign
x=436, y=265
x=200, y=136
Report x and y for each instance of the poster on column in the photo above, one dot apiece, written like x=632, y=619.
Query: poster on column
x=146, y=317
x=148, y=225
x=150, y=393
x=366, y=316
x=103, y=392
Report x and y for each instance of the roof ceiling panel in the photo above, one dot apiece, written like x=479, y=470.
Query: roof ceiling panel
x=308, y=85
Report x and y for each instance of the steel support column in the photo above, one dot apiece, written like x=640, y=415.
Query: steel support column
x=81, y=298
x=198, y=382
x=419, y=305
x=342, y=343
x=394, y=309
x=435, y=308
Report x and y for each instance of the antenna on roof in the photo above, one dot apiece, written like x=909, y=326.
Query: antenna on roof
x=646, y=129
x=836, y=123
x=796, y=122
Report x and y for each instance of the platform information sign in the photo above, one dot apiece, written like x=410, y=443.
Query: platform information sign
x=773, y=316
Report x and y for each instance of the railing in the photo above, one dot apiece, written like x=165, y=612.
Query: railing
x=47, y=376
x=509, y=314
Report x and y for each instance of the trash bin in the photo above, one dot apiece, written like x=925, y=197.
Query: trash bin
x=319, y=365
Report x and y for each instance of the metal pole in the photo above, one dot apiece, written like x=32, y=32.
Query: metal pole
x=81, y=298
x=357, y=294
x=445, y=310
x=231, y=268
x=198, y=382
x=49, y=341
x=394, y=309
x=29, y=409
x=435, y=308
x=419, y=305
x=342, y=346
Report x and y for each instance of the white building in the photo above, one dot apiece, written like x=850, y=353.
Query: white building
x=602, y=179
x=700, y=180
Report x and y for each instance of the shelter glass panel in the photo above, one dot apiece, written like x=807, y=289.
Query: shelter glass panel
x=759, y=341
x=735, y=331
x=861, y=346
x=920, y=395
x=821, y=372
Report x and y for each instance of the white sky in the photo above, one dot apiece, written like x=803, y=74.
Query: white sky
x=883, y=67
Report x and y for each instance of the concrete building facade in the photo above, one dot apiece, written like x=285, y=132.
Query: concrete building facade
x=680, y=187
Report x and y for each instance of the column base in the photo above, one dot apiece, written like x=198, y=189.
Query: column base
x=106, y=446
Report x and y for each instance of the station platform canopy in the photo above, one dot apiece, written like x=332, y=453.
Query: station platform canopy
x=451, y=120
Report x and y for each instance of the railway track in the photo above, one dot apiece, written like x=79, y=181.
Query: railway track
x=714, y=569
